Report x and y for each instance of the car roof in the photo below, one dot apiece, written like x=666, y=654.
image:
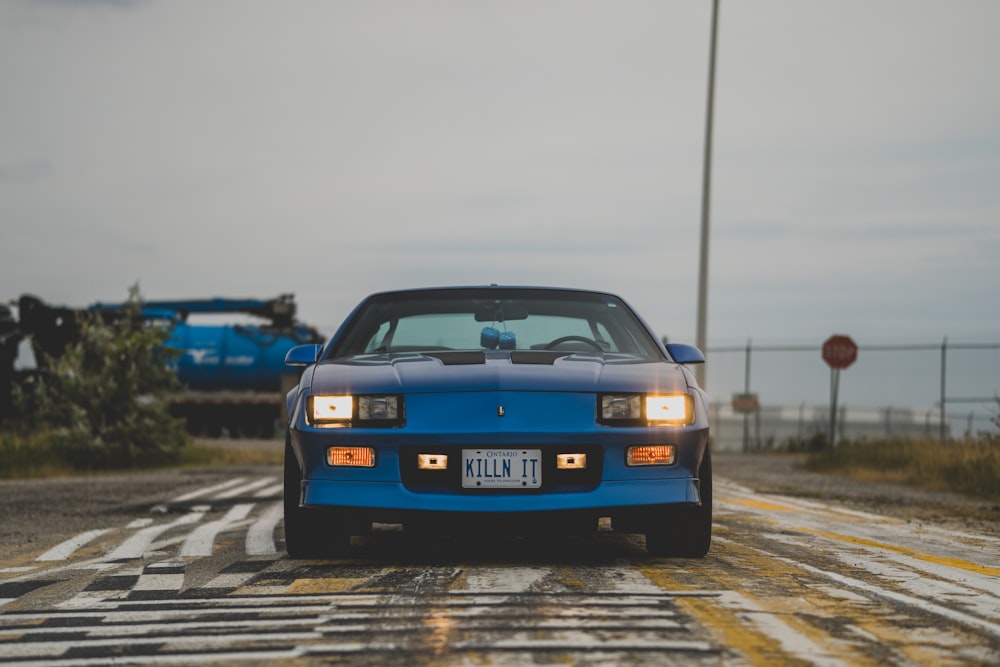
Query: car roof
x=494, y=286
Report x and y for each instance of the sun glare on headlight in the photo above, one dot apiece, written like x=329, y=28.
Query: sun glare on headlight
x=373, y=411
x=640, y=409
x=673, y=408
x=331, y=409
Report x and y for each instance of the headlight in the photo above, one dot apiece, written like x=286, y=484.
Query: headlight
x=641, y=409
x=671, y=409
x=347, y=410
x=330, y=409
x=378, y=407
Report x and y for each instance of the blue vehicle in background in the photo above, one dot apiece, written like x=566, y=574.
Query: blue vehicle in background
x=234, y=375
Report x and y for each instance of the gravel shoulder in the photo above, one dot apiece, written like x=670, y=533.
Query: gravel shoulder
x=783, y=474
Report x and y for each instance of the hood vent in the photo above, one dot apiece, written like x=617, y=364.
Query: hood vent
x=541, y=357
x=459, y=358
x=474, y=357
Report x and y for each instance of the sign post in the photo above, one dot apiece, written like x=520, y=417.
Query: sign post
x=839, y=352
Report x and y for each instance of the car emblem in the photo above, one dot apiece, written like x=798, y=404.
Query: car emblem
x=500, y=411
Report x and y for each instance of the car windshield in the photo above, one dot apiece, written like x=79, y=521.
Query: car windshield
x=495, y=318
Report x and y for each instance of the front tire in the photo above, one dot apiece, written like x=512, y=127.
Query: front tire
x=685, y=531
x=309, y=533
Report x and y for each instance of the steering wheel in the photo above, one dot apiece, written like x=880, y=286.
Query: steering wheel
x=578, y=339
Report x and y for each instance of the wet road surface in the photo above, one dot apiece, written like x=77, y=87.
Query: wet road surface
x=194, y=573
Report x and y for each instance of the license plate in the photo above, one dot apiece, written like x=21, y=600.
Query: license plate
x=501, y=468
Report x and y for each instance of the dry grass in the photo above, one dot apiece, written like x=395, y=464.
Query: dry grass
x=207, y=453
x=970, y=467
x=25, y=457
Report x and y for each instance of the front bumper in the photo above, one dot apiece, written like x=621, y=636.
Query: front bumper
x=448, y=424
x=390, y=498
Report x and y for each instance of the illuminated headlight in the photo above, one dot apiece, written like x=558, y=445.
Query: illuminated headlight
x=347, y=410
x=640, y=409
x=671, y=409
x=330, y=409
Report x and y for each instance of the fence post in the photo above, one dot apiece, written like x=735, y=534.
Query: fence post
x=944, y=361
x=746, y=390
x=834, y=387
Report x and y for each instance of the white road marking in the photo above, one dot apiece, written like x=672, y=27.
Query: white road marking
x=511, y=580
x=197, y=493
x=260, y=536
x=201, y=540
x=917, y=602
x=65, y=549
x=271, y=491
x=135, y=546
x=245, y=488
x=793, y=642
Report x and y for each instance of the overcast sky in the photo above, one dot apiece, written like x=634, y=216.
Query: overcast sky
x=335, y=148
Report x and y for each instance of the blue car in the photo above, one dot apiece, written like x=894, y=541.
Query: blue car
x=496, y=409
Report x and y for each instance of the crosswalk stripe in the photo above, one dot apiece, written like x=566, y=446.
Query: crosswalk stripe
x=260, y=536
x=275, y=490
x=208, y=490
x=240, y=490
x=65, y=549
x=135, y=546
x=200, y=542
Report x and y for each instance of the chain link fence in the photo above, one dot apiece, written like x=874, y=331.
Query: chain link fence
x=777, y=396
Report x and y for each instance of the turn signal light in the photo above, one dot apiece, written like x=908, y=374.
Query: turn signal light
x=351, y=457
x=650, y=455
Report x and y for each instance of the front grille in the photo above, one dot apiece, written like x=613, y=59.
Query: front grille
x=554, y=480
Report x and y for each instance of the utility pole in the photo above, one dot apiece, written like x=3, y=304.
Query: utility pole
x=706, y=190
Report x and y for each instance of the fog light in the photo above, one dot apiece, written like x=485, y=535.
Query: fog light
x=571, y=461
x=353, y=457
x=432, y=461
x=650, y=455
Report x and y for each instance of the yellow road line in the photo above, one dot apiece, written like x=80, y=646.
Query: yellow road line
x=958, y=563
x=760, y=504
x=324, y=585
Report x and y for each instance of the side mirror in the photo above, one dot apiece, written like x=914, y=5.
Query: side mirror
x=303, y=355
x=685, y=354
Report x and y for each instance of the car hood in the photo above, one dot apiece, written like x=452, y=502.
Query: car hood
x=496, y=371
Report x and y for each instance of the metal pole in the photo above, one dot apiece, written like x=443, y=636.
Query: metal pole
x=746, y=390
x=706, y=190
x=834, y=386
x=944, y=362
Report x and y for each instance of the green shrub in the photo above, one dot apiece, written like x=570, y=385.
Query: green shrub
x=103, y=402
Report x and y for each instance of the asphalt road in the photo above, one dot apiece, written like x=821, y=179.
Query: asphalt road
x=187, y=567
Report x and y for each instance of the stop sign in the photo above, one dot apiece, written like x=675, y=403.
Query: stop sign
x=839, y=351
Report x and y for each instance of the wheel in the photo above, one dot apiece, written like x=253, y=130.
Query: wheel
x=685, y=531
x=309, y=533
x=577, y=339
